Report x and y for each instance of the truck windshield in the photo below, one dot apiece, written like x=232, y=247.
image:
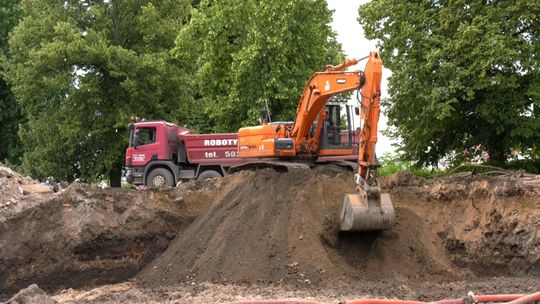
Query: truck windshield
x=145, y=136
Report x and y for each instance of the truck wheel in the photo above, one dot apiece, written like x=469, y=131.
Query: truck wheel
x=159, y=178
x=208, y=174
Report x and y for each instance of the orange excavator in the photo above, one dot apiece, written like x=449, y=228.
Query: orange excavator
x=299, y=141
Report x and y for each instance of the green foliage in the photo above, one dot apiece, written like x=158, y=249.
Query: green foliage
x=395, y=163
x=245, y=54
x=465, y=74
x=392, y=163
x=128, y=186
x=11, y=115
x=527, y=165
x=81, y=68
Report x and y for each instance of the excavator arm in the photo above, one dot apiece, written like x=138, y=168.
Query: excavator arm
x=370, y=111
x=320, y=87
x=368, y=208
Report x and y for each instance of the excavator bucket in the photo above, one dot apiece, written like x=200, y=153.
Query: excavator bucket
x=367, y=210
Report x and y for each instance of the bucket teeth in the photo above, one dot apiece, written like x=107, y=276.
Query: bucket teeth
x=367, y=211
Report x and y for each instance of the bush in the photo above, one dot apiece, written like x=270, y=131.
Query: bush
x=128, y=186
x=393, y=163
x=527, y=165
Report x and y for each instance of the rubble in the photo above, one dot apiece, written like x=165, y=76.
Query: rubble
x=31, y=295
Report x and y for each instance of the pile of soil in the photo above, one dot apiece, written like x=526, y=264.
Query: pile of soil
x=269, y=227
x=86, y=236
x=10, y=181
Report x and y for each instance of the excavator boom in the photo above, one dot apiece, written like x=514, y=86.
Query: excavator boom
x=286, y=141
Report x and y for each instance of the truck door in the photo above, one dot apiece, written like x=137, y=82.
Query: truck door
x=145, y=145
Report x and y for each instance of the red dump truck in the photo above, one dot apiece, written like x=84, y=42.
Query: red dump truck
x=161, y=154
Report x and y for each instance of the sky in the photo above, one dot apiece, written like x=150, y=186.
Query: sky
x=351, y=36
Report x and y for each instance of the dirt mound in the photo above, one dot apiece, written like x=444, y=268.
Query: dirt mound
x=11, y=180
x=85, y=235
x=281, y=227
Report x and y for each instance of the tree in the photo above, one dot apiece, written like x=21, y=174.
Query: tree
x=246, y=54
x=465, y=75
x=81, y=68
x=10, y=111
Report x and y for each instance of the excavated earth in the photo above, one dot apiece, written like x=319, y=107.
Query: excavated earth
x=267, y=235
x=87, y=236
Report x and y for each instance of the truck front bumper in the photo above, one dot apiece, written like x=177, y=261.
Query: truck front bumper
x=134, y=175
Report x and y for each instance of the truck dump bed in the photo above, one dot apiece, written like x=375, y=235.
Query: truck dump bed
x=212, y=149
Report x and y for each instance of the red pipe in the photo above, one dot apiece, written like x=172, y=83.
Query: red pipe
x=533, y=297
x=383, y=301
x=498, y=298
x=507, y=298
x=484, y=298
x=513, y=298
x=275, y=302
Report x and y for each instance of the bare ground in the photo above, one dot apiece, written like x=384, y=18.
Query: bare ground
x=263, y=234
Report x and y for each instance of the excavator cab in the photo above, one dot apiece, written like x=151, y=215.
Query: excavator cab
x=337, y=132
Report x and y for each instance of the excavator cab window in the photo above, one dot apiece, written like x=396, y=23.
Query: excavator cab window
x=336, y=131
x=334, y=126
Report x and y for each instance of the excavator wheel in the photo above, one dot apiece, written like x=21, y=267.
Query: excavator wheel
x=367, y=210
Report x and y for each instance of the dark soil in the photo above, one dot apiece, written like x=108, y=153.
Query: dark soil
x=268, y=227
x=265, y=234
x=86, y=236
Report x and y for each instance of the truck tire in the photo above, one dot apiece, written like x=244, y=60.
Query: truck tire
x=160, y=178
x=208, y=174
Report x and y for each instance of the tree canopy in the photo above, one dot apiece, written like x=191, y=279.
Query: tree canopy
x=465, y=75
x=10, y=111
x=81, y=68
x=246, y=54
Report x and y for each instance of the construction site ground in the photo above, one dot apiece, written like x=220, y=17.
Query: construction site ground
x=266, y=235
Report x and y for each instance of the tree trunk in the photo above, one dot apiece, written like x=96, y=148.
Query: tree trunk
x=115, y=175
x=497, y=158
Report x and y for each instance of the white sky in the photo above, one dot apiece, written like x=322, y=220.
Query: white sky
x=351, y=36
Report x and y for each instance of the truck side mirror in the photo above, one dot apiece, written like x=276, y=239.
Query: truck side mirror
x=356, y=111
